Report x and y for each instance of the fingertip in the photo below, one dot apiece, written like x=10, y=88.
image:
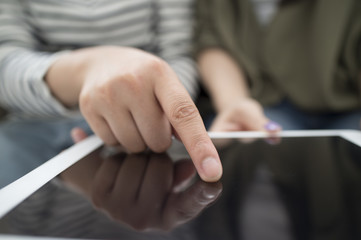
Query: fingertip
x=206, y=159
x=272, y=126
x=211, y=169
x=77, y=134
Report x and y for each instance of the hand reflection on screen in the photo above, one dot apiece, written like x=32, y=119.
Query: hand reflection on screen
x=144, y=191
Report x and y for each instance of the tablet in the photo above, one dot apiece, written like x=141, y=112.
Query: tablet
x=299, y=185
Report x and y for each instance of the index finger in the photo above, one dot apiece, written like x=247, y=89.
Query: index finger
x=186, y=120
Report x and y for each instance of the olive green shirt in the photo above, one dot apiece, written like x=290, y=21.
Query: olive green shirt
x=309, y=54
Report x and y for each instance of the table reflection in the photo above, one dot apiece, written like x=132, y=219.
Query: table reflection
x=145, y=191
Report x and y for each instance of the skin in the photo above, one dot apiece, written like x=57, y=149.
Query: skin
x=135, y=99
x=227, y=86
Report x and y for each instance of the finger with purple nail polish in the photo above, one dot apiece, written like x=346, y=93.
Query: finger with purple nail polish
x=272, y=126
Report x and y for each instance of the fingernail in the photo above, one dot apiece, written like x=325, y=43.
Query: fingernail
x=212, y=169
x=272, y=126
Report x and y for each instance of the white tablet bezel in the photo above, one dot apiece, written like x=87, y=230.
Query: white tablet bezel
x=17, y=191
x=353, y=136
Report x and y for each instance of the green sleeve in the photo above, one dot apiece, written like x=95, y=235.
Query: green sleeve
x=205, y=31
x=352, y=43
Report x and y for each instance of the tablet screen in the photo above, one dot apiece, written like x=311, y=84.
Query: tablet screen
x=293, y=188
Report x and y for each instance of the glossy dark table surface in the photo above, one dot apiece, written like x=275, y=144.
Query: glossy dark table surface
x=292, y=188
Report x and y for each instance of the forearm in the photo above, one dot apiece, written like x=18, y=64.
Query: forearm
x=222, y=78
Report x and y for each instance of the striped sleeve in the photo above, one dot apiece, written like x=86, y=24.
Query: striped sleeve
x=27, y=27
x=175, y=40
x=22, y=69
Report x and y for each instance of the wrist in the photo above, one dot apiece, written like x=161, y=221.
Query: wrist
x=65, y=78
x=222, y=104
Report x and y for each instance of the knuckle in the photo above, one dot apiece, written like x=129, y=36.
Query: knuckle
x=97, y=94
x=85, y=104
x=131, y=83
x=107, y=91
x=157, y=65
x=184, y=112
x=110, y=91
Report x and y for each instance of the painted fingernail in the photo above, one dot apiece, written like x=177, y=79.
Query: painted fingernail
x=272, y=126
x=212, y=169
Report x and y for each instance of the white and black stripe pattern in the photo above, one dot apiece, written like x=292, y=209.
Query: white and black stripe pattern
x=33, y=33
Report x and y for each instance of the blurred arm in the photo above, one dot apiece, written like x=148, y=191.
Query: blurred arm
x=222, y=78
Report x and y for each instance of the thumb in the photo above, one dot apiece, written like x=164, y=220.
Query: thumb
x=78, y=134
x=259, y=122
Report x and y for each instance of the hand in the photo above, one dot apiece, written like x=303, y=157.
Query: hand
x=143, y=191
x=139, y=191
x=245, y=115
x=133, y=98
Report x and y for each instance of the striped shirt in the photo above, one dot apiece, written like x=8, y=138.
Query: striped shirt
x=34, y=33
